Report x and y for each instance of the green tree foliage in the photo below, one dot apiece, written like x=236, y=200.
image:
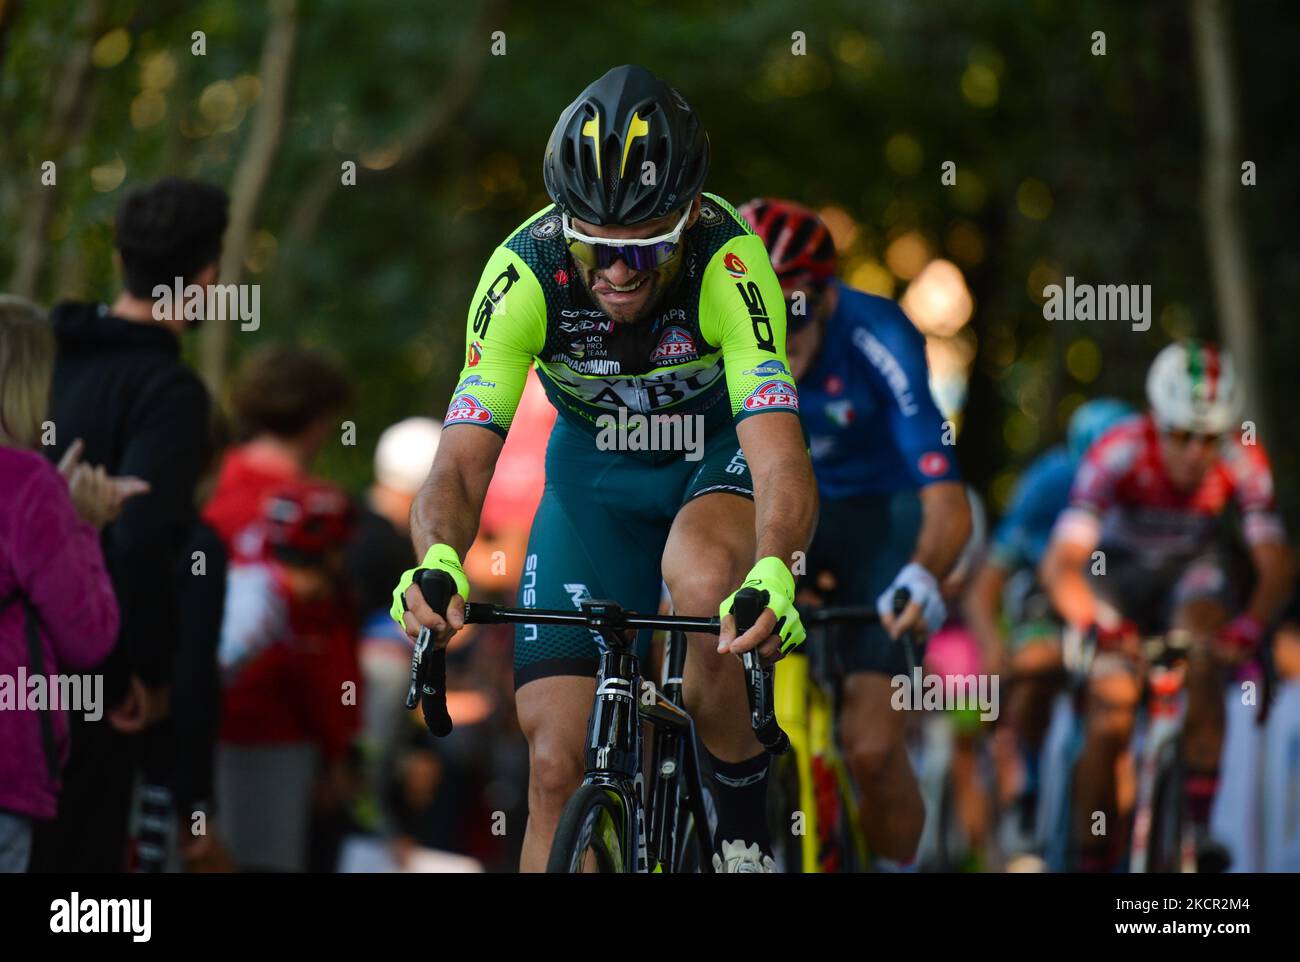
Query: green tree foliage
x=1067, y=163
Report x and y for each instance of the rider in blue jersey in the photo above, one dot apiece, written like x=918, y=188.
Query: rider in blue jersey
x=894, y=513
x=1041, y=493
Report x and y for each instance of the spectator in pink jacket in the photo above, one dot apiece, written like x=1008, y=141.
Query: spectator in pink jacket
x=57, y=610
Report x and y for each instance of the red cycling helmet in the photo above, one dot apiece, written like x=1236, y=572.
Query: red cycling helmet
x=797, y=240
x=304, y=520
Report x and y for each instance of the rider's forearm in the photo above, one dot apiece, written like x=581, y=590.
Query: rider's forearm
x=1062, y=575
x=785, y=509
x=983, y=604
x=945, y=527
x=1274, y=569
x=446, y=509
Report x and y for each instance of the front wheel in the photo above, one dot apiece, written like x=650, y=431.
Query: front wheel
x=591, y=836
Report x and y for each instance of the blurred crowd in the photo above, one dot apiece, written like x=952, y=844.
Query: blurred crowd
x=235, y=604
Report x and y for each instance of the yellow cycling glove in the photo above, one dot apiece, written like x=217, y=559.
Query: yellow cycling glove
x=439, y=557
x=772, y=576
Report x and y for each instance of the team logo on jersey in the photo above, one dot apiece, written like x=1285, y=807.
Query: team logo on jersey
x=546, y=228
x=492, y=297
x=709, y=214
x=675, y=345
x=466, y=408
x=772, y=394
x=585, y=325
x=475, y=380
x=933, y=464
x=768, y=369
x=562, y=277
x=735, y=266
x=474, y=354
x=840, y=413
x=764, y=339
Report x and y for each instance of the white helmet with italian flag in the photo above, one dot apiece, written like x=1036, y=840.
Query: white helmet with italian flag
x=1192, y=386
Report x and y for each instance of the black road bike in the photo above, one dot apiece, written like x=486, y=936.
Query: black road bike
x=617, y=821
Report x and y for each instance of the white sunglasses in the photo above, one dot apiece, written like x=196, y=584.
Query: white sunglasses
x=640, y=253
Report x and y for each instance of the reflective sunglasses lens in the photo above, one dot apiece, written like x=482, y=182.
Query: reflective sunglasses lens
x=637, y=258
x=586, y=253
x=648, y=258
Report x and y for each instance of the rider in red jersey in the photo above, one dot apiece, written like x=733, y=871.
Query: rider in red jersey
x=1152, y=494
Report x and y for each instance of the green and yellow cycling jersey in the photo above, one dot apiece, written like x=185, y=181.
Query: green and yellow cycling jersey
x=719, y=332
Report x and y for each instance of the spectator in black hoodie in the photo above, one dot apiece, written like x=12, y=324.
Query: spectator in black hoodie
x=120, y=385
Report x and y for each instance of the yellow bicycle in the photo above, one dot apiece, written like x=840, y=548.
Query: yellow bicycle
x=813, y=809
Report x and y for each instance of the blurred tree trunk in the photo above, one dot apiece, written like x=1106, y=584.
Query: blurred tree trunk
x=67, y=102
x=8, y=13
x=981, y=447
x=1225, y=237
x=251, y=176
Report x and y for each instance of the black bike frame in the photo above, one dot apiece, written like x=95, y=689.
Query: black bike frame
x=614, y=732
x=622, y=703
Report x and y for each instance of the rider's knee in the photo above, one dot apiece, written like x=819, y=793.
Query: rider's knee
x=1202, y=617
x=700, y=590
x=556, y=772
x=1201, y=666
x=1113, y=693
x=868, y=757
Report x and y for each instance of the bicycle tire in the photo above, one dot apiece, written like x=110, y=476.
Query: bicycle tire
x=690, y=859
x=592, y=822
x=1164, y=841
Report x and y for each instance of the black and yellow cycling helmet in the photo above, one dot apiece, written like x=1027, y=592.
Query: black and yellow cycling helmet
x=595, y=166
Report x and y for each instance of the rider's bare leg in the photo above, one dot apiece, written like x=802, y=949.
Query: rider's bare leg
x=1109, y=717
x=710, y=550
x=553, y=714
x=891, y=809
x=1203, y=725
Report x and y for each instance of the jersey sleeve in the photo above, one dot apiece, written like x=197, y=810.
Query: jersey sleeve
x=1094, y=488
x=1252, y=486
x=506, y=329
x=1037, y=500
x=894, y=352
x=742, y=312
x=1009, y=544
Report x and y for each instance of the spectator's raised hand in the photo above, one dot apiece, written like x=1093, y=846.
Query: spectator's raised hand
x=97, y=496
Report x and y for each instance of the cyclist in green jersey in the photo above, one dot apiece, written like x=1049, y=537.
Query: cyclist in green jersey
x=657, y=327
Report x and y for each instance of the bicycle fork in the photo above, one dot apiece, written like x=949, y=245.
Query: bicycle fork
x=613, y=754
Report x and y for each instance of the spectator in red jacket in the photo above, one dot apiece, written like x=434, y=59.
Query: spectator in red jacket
x=288, y=648
x=57, y=610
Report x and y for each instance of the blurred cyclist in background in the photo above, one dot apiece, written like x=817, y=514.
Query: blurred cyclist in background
x=1008, y=611
x=883, y=466
x=1152, y=494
